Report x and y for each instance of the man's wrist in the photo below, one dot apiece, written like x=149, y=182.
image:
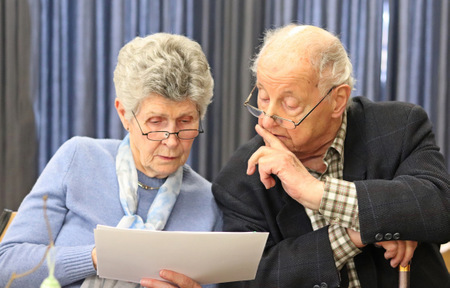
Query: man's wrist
x=343, y=247
x=339, y=203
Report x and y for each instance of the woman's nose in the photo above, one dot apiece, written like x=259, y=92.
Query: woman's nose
x=172, y=140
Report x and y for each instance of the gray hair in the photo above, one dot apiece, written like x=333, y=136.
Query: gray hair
x=323, y=50
x=172, y=66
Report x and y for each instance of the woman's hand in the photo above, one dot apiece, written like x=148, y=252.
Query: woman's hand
x=94, y=257
x=176, y=279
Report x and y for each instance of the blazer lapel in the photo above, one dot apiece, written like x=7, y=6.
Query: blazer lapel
x=355, y=152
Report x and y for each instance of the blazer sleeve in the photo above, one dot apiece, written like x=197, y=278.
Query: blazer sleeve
x=405, y=194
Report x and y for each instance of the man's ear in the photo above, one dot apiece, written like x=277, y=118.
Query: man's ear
x=340, y=96
x=121, y=112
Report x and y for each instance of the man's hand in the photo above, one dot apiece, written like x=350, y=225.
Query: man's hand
x=398, y=251
x=274, y=158
x=175, y=279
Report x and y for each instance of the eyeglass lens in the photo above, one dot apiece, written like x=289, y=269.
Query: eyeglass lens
x=186, y=134
x=280, y=121
x=285, y=123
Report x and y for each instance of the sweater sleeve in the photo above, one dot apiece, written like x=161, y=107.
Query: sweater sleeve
x=27, y=238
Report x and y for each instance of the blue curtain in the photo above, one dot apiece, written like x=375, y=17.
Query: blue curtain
x=399, y=50
x=419, y=61
x=77, y=48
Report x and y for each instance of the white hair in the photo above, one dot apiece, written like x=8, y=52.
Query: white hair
x=172, y=66
x=323, y=50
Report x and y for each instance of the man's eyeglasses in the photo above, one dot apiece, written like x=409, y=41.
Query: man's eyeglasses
x=283, y=122
x=183, y=134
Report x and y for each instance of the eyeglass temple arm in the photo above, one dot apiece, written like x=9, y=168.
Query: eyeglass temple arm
x=249, y=96
x=310, y=111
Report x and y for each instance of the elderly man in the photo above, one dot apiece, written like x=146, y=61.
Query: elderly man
x=346, y=187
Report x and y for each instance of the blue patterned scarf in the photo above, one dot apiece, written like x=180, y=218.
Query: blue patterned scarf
x=157, y=215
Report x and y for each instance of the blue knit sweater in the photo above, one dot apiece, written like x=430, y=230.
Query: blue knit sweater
x=82, y=188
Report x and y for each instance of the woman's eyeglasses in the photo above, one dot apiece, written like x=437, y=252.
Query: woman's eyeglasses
x=183, y=134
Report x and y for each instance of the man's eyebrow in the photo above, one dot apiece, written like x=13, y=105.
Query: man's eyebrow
x=289, y=92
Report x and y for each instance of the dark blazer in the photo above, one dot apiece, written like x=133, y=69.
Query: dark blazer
x=403, y=193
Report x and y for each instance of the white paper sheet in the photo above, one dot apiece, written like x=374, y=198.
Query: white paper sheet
x=207, y=257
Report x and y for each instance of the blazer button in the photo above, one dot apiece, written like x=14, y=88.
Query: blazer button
x=316, y=286
x=379, y=237
x=388, y=236
x=396, y=236
x=323, y=285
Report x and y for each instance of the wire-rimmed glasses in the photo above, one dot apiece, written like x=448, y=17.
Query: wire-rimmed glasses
x=283, y=122
x=183, y=134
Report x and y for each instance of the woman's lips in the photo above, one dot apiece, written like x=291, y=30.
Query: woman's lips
x=167, y=158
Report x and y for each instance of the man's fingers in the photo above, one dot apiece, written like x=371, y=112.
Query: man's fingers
x=270, y=139
x=265, y=171
x=390, y=247
x=409, y=252
x=400, y=253
x=254, y=160
x=267, y=180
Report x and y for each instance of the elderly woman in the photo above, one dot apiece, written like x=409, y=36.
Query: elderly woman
x=163, y=86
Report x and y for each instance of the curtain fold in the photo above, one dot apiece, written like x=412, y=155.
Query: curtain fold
x=418, y=61
x=399, y=49
x=18, y=151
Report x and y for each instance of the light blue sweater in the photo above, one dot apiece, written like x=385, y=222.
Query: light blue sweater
x=82, y=188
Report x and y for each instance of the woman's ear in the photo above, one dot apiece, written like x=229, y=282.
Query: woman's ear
x=121, y=112
x=341, y=96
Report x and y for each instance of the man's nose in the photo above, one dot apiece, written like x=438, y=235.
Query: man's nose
x=267, y=119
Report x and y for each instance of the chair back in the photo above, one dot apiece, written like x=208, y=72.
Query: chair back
x=5, y=220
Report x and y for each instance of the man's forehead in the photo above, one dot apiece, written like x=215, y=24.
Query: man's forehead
x=273, y=71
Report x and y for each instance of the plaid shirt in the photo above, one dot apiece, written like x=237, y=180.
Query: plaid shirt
x=339, y=207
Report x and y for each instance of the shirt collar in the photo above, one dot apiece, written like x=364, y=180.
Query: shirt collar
x=338, y=143
x=336, y=150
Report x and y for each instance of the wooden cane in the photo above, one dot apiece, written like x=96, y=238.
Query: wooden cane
x=403, y=276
